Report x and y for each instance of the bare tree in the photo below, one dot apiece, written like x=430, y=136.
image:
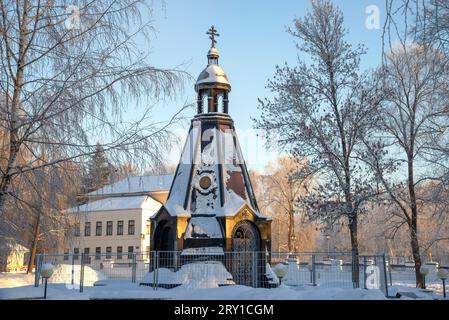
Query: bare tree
x=35, y=218
x=277, y=190
x=414, y=117
x=69, y=71
x=285, y=189
x=421, y=21
x=321, y=111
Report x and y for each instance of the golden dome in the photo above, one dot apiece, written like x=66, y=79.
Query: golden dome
x=213, y=76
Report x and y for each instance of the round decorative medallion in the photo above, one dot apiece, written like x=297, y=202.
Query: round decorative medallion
x=205, y=182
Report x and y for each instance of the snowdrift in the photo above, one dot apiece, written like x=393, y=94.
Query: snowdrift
x=63, y=274
x=196, y=275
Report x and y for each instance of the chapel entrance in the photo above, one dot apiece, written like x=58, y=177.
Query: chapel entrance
x=245, y=247
x=165, y=246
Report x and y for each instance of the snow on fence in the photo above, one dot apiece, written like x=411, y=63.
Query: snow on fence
x=198, y=269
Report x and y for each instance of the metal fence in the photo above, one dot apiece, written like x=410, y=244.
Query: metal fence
x=169, y=269
x=404, y=274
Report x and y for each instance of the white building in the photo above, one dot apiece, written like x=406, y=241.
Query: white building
x=115, y=220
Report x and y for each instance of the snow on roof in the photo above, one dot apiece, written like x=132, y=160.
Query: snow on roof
x=118, y=203
x=213, y=74
x=10, y=245
x=235, y=187
x=136, y=184
x=180, y=187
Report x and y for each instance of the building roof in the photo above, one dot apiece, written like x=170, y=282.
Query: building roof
x=118, y=203
x=132, y=185
x=140, y=192
x=213, y=75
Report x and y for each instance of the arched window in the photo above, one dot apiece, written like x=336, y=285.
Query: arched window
x=205, y=101
x=220, y=102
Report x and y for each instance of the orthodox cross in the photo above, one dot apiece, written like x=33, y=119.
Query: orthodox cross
x=212, y=32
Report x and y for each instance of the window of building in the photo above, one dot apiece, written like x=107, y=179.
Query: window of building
x=120, y=228
x=119, y=252
x=148, y=228
x=98, y=228
x=87, y=229
x=66, y=254
x=77, y=230
x=97, y=253
x=109, y=228
x=130, y=252
x=76, y=252
x=108, y=252
x=131, y=224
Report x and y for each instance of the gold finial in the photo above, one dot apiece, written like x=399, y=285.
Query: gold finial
x=212, y=32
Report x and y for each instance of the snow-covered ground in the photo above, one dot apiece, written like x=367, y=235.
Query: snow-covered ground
x=20, y=286
x=124, y=290
x=12, y=279
x=407, y=279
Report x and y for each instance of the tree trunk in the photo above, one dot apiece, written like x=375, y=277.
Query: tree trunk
x=353, y=230
x=413, y=223
x=34, y=245
x=416, y=257
x=14, y=141
x=4, y=188
x=291, y=231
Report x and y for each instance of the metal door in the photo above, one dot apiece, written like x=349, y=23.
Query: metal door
x=245, y=245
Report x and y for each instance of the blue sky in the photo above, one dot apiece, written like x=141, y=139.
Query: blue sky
x=252, y=41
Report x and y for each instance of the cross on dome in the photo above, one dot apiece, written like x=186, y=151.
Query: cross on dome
x=212, y=32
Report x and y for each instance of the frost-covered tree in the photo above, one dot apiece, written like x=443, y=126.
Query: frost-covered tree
x=70, y=68
x=284, y=190
x=414, y=125
x=415, y=114
x=277, y=189
x=322, y=110
x=99, y=171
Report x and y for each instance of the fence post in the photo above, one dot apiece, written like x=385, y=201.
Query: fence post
x=73, y=269
x=155, y=268
x=385, y=276
x=37, y=262
x=389, y=270
x=133, y=276
x=364, y=272
x=313, y=271
x=82, y=273
x=40, y=266
x=254, y=267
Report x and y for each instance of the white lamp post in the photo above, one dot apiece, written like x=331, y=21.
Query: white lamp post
x=443, y=274
x=424, y=271
x=280, y=270
x=46, y=272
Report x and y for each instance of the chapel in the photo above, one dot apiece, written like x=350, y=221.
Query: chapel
x=211, y=208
